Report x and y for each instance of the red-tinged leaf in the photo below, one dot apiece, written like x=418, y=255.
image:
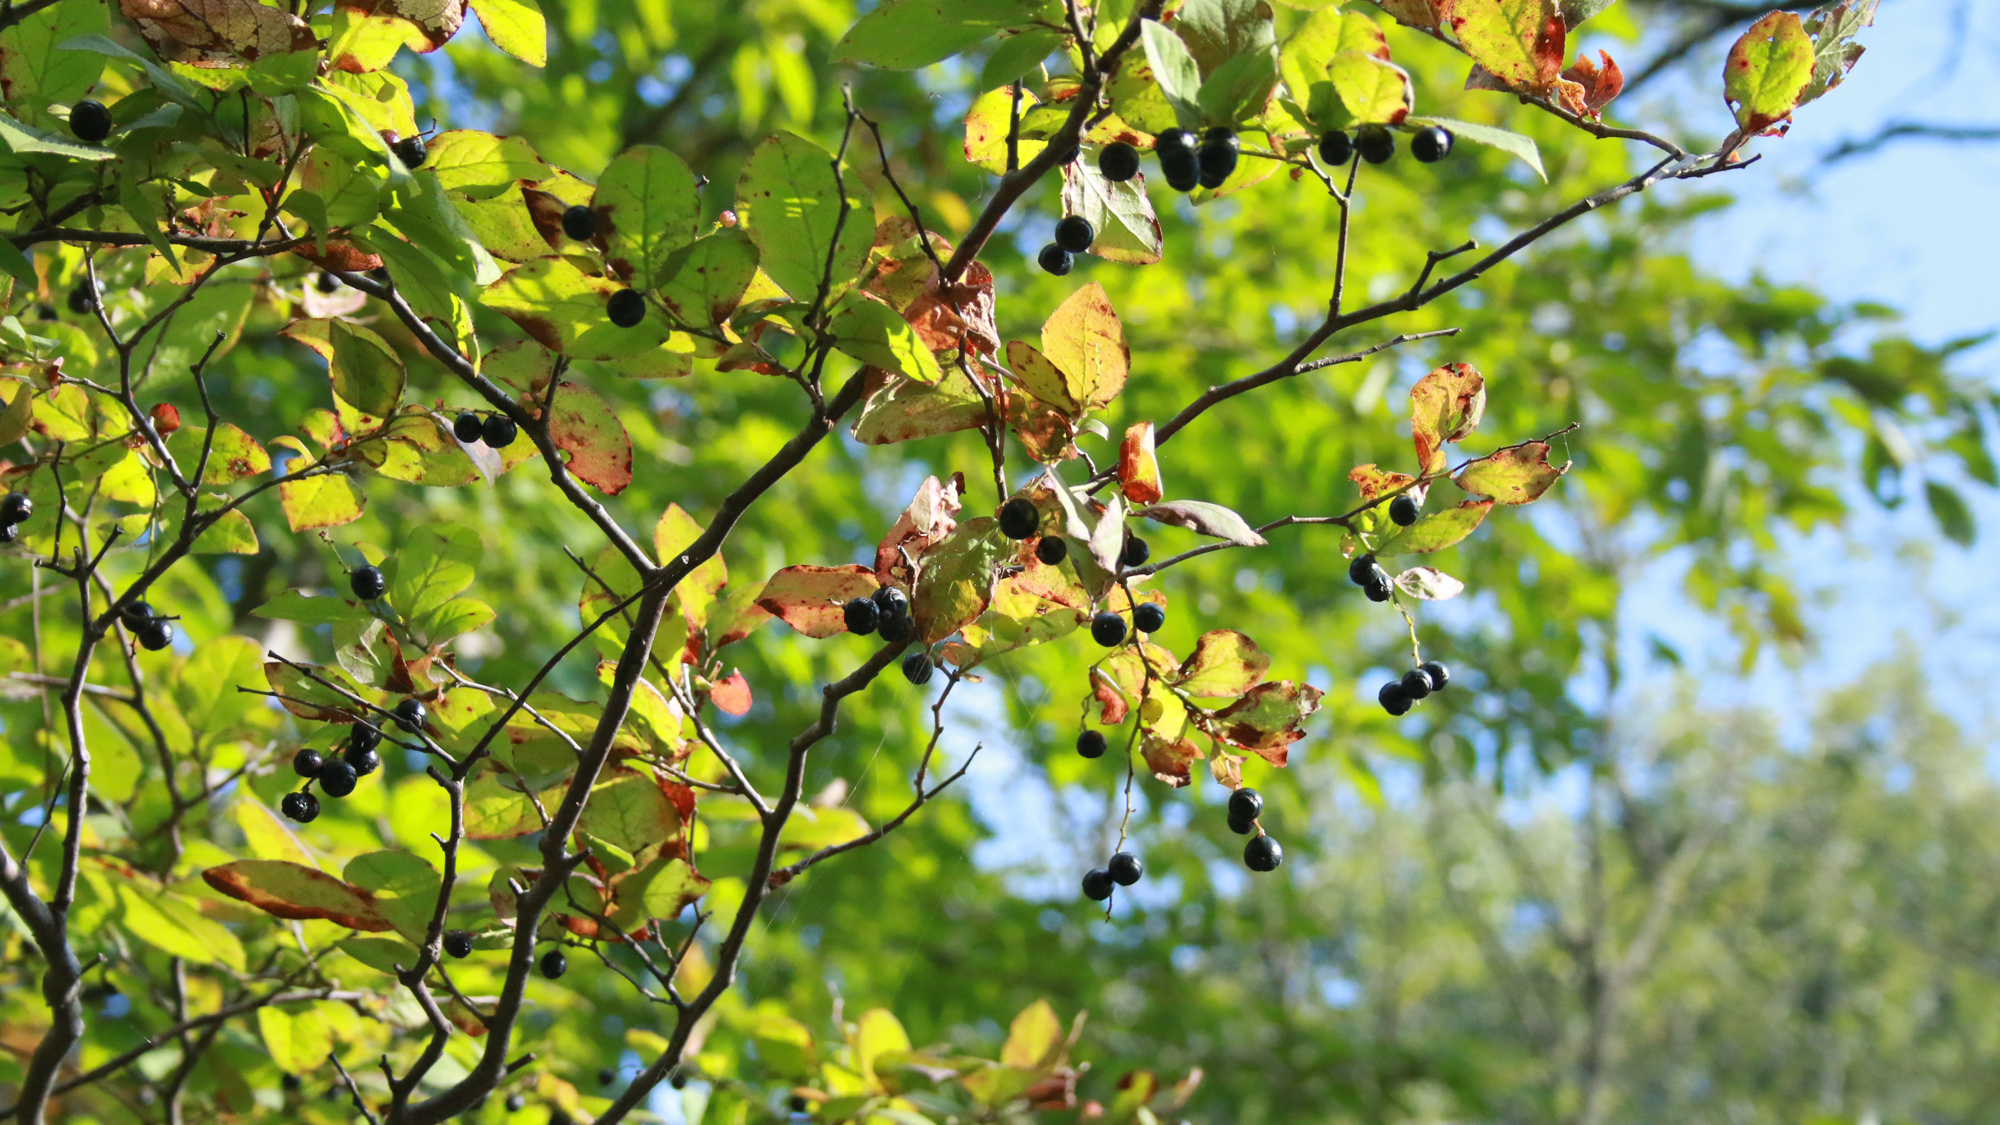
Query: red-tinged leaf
x=732, y=696
x=1267, y=718
x=1427, y=14
x=1429, y=583
x=1046, y=432
x=808, y=598
x=435, y=20
x=1445, y=406
x=1435, y=530
x=307, y=698
x=235, y=455
x=217, y=33
x=292, y=890
x=1115, y=706
x=1600, y=83
x=1378, y=482
x=1515, y=475
x=1767, y=71
x=1205, y=518
x=960, y=313
x=583, y=426
x=1226, y=769
x=1518, y=42
x=1086, y=342
x=929, y=518
x=1171, y=761
x=1139, y=466
x=1223, y=665
x=955, y=584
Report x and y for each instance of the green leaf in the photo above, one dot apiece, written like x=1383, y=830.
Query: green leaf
x=481, y=165
x=956, y=582
x=1768, y=70
x=811, y=829
x=1205, y=518
x=1128, y=232
x=1519, y=42
x=907, y=34
x=516, y=27
x=233, y=534
x=308, y=698
x=320, y=501
x=661, y=889
x=233, y=456
x=1304, y=61
x=806, y=230
x=162, y=80
x=866, y=328
x=436, y=564
x=172, y=926
x=1217, y=31
x=33, y=65
x=1371, y=90
x=367, y=373
x=404, y=888
x=675, y=532
x=293, y=605
x=1515, y=475
x=1513, y=144
x=906, y=410
x=1175, y=70
x=563, y=309
x=1086, y=341
x=1951, y=513
x=629, y=809
x=1223, y=665
x=705, y=280
x=23, y=139
x=1435, y=531
x=809, y=598
x=1240, y=88
x=647, y=206
x=986, y=127
x=268, y=836
x=290, y=890
x=299, y=1044
x=1017, y=55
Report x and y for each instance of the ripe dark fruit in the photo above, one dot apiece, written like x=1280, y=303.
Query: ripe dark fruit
x=1393, y=698
x=156, y=634
x=136, y=615
x=1179, y=161
x=892, y=602
x=1075, y=234
x=9, y=532
x=1263, y=854
x=291, y=1082
x=1148, y=617
x=860, y=616
x=498, y=431
x=1246, y=805
x=467, y=427
x=1439, y=674
x=1118, y=162
x=458, y=943
x=580, y=223
x=1362, y=570
x=1431, y=144
x=1125, y=869
x=306, y=763
x=626, y=308
x=1052, y=550
x=1377, y=587
x=1416, y=683
x=1018, y=518
x=15, y=507
x=1136, y=552
x=1090, y=744
x=1403, y=510
x=1055, y=260
x=82, y=299
x=328, y=282
x=606, y=1077
x=1107, y=628
x=336, y=777
x=367, y=583
x=412, y=151
x=363, y=762
x=90, y=121
x=1335, y=149
x=1377, y=144
x=917, y=668
x=363, y=737
x=554, y=964
x=300, y=806
x=1097, y=884
x=897, y=628
x=1217, y=157
x=410, y=715
x=516, y=1103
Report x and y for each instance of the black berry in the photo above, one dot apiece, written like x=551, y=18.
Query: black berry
x=367, y=583
x=1362, y=569
x=328, y=281
x=1107, y=628
x=606, y=1076
x=1246, y=805
x=1377, y=144
x=363, y=762
x=516, y=1103
x=412, y=151
x=290, y=1082
x=83, y=298
x=1439, y=674
x=897, y=628
x=1052, y=550
x=1431, y=144
x=467, y=427
x=1019, y=519
x=9, y=532
x=1335, y=149
x=892, y=602
x=860, y=616
x=300, y=806
x=554, y=964
x=156, y=634
x=1090, y=744
x=626, y=308
x=1403, y=510
x=580, y=223
x=15, y=507
x=458, y=943
x=1218, y=157
x=1125, y=869
x=136, y=615
x=90, y=121
x=917, y=667
x=410, y=715
x=1377, y=588
x=1179, y=162
x=1416, y=683
x=1055, y=260
x=1148, y=617
x=498, y=431
x=336, y=777
x=363, y=738
x=1393, y=698
x=1097, y=884
x=1263, y=854
x=1075, y=234
x=306, y=763
x=1136, y=552
x=1118, y=162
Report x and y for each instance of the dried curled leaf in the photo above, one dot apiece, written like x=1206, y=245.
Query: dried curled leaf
x=217, y=33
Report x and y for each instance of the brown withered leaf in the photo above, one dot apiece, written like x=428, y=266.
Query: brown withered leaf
x=217, y=33
x=438, y=20
x=1595, y=85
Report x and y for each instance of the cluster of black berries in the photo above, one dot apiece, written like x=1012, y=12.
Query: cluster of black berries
x=1020, y=519
x=886, y=611
x=1368, y=574
x=1074, y=234
x=1124, y=869
x=1263, y=852
x=1376, y=145
x=90, y=121
x=496, y=430
x=1398, y=696
x=15, y=508
x=153, y=631
x=336, y=776
x=1185, y=162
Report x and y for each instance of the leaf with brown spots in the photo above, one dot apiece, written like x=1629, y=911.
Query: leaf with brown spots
x=584, y=426
x=1445, y=406
x=1223, y=665
x=1267, y=718
x=646, y=206
x=1138, y=466
x=1768, y=70
x=293, y=890
x=1515, y=475
x=217, y=33
x=1171, y=760
x=1519, y=43
x=1086, y=342
x=809, y=598
x=1115, y=708
x=930, y=517
x=436, y=21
